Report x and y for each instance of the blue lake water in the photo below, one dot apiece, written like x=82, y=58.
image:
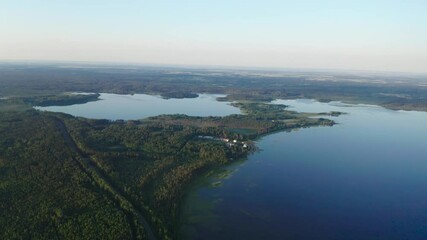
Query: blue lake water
x=138, y=106
x=365, y=178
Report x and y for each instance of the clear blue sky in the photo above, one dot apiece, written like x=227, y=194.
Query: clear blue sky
x=361, y=34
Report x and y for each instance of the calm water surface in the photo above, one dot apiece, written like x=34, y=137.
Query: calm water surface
x=137, y=106
x=365, y=178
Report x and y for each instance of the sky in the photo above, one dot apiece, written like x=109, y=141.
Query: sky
x=375, y=35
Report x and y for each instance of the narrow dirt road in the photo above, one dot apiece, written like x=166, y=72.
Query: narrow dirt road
x=92, y=169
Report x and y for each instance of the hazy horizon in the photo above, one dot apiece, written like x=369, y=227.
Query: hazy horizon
x=376, y=36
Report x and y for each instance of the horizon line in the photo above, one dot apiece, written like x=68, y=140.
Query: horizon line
x=209, y=67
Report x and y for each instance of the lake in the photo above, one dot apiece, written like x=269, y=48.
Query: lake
x=365, y=178
x=138, y=106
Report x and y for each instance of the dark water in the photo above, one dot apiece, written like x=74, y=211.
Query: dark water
x=137, y=106
x=365, y=178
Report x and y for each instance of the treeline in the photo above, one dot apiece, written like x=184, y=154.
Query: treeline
x=60, y=100
x=43, y=192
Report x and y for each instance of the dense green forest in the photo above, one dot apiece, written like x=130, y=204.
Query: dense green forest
x=44, y=192
x=67, y=177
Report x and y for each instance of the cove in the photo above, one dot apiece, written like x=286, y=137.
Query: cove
x=364, y=178
x=138, y=106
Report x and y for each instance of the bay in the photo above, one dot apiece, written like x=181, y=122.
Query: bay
x=364, y=178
